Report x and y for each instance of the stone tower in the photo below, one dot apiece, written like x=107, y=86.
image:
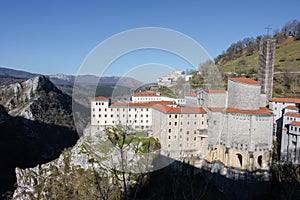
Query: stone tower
x=266, y=66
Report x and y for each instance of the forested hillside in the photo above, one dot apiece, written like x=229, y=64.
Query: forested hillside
x=241, y=59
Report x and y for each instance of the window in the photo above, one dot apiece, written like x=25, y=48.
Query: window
x=170, y=123
x=175, y=116
x=147, y=115
x=202, y=122
x=195, y=115
x=105, y=122
x=147, y=121
x=188, y=132
x=175, y=123
x=93, y=115
x=105, y=115
x=141, y=121
x=188, y=116
x=141, y=115
x=194, y=138
x=105, y=109
x=169, y=130
x=96, y=103
x=291, y=128
x=93, y=109
x=195, y=122
x=180, y=130
x=99, y=115
x=99, y=109
x=195, y=132
x=169, y=137
x=111, y=116
x=187, y=139
x=147, y=109
x=170, y=116
x=134, y=121
x=188, y=123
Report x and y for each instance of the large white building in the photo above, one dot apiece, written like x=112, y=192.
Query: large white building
x=231, y=127
x=240, y=132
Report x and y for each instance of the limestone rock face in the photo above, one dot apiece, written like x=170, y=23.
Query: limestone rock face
x=38, y=99
x=76, y=173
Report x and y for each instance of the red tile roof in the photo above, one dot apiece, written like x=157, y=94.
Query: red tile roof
x=193, y=94
x=147, y=93
x=292, y=107
x=295, y=123
x=215, y=91
x=260, y=111
x=169, y=109
x=217, y=109
x=290, y=114
x=101, y=98
x=141, y=104
x=286, y=100
x=245, y=80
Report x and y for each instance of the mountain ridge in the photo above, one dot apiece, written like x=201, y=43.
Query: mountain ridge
x=63, y=79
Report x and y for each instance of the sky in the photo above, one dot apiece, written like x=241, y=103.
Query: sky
x=57, y=36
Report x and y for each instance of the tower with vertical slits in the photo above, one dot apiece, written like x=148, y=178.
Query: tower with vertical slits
x=266, y=66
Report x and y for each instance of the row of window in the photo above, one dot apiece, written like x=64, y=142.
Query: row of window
x=105, y=115
x=127, y=121
x=105, y=109
x=175, y=116
x=187, y=139
x=292, y=118
x=294, y=128
x=180, y=130
x=188, y=123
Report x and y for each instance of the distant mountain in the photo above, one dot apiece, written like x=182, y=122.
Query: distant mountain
x=16, y=73
x=7, y=74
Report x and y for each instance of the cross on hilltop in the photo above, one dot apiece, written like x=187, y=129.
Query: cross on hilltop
x=268, y=28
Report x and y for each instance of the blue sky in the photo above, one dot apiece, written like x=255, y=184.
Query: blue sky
x=56, y=36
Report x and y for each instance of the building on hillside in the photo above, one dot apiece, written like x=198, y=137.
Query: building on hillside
x=170, y=80
x=266, y=66
x=231, y=127
x=147, y=96
x=182, y=131
x=279, y=104
x=138, y=116
x=290, y=136
x=240, y=135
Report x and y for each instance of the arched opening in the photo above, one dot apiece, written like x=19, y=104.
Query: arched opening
x=239, y=160
x=259, y=160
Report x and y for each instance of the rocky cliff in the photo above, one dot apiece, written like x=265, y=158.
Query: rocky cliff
x=38, y=99
x=36, y=124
